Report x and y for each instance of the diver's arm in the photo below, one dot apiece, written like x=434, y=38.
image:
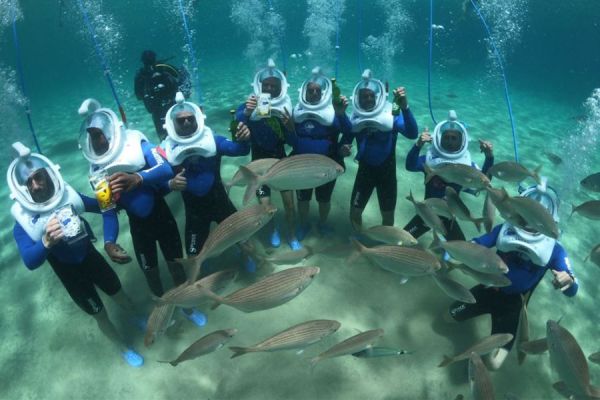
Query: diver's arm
x=230, y=148
x=33, y=253
x=406, y=124
x=560, y=263
x=414, y=162
x=110, y=222
x=160, y=170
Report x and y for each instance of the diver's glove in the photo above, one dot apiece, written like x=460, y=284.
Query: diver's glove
x=116, y=253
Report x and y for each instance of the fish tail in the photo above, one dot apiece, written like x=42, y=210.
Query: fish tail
x=173, y=363
x=355, y=254
x=536, y=174
x=410, y=197
x=587, y=258
x=149, y=338
x=239, y=351
x=253, y=182
x=478, y=222
x=437, y=243
x=573, y=208
x=228, y=186
x=521, y=356
x=447, y=360
x=313, y=362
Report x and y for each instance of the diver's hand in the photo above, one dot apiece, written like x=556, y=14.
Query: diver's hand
x=116, y=253
x=400, y=94
x=124, y=182
x=242, y=132
x=288, y=121
x=53, y=234
x=179, y=182
x=562, y=280
x=424, y=138
x=487, y=148
x=340, y=108
x=251, y=103
x=345, y=150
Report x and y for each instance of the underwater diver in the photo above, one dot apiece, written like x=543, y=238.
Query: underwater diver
x=156, y=83
x=47, y=228
x=528, y=255
x=319, y=118
x=267, y=113
x=375, y=127
x=195, y=154
x=136, y=170
x=450, y=142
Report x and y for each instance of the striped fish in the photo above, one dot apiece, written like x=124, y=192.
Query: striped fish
x=404, y=261
x=483, y=346
x=479, y=379
x=453, y=289
x=351, y=345
x=511, y=171
x=473, y=255
x=302, y=171
x=296, y=337
x=390, y=235
x=206, y=344
x=459, y=209
x=460, y=174
x=158, y=322
x=429, y=216
x=493, y=280
x=489, y=213
x=439, y=206
x=238, y=227
x=192, y=295
x=589, y=209
x=271, y=291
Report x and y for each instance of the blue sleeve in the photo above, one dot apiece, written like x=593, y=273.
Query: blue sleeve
x=560, y=262
x=407, y=124
x=292, y=140
x=487, y=164
x=414, y=163
x=230, y=148
x=489, y=239
x=33, y=253
x=239, y=114
x=342, y=124
x=160, y=170
x=110, y=222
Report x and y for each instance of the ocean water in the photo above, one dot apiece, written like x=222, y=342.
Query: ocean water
x=50, y=349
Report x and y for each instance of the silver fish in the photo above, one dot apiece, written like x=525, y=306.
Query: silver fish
x=589, y=209
x=439, y=206
x=493, y=280
x=192, y=295
x=481, y=347
x=376, y=352
x=296, y=337
x=206, y=344
x=554, y=159
x=489, y=213
x=594, y=255
x=272, y=291
x=522, y=332
x=459, y=174
x=475, y=256
x=568, y=361
x=290, y=257
x=453, y=289
x=351, y=345
x=404, y=261
x=390, y=235
x=537, y=346
x=302, y=171
x=591, y=182
x=158, y=322
x=479, y=379
x=259, y=167
x=429, y=216
x=535, y=215
x=238, y=227
x=459, y=209
x=499, y=198
x=511, y=171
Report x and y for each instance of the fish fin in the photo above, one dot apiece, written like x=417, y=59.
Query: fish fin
x=239, y=351
x=572, y=212
x=300, y=352
x=429, y=173
x=173, y=363
x=436, y=244
x=313, y=362
x=410, y=197
x=521, y=357
x=214, y=306
x=253, y=182
x=561, y=387
x=594, y=392
x=478, y=222
x=447, y=360
x=227, y=186
x=149, y=338
x=587, y=258
x=536, y=174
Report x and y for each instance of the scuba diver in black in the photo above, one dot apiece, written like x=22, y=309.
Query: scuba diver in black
x=156, y=83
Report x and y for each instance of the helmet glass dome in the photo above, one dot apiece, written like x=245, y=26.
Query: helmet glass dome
x=313, y=90
x=271, y=82
x=546, y=197
x=452, y=137
x=185, y=120
x=97, y=135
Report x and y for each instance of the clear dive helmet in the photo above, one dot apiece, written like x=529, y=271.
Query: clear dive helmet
x=369, y=86
x=20, y=172
x=451, y=146
x=325, y=85
x=180, y=116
